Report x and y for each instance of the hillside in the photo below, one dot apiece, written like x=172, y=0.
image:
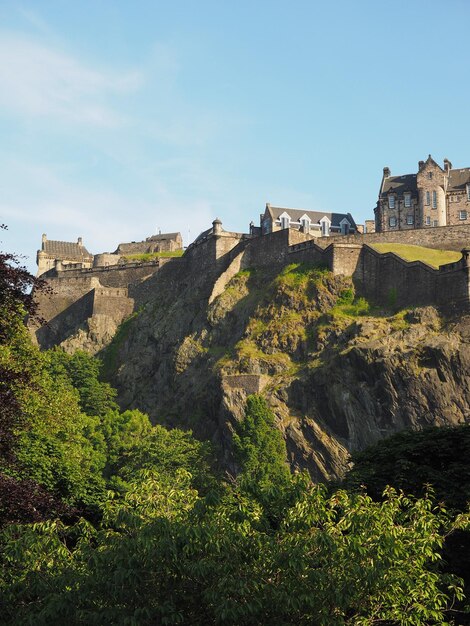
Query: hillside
x=338, y=373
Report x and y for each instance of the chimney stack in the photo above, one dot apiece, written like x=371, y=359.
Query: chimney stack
x=80, y=241
x=387, y=172
x=447, y=165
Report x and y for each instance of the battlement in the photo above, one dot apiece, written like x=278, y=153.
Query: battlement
x=107, y=291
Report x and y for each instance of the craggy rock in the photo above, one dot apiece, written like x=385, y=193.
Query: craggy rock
x=339, y=376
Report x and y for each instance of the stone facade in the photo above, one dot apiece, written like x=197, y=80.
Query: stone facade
x=59, y=254
x=431, y=198
x=163, y=242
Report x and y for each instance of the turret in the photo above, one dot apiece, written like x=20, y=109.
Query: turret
x=216, y=226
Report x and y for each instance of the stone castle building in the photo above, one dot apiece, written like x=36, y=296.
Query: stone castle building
x=315, y=223
x=163, y=242
x=65, y=253
x=433, y=197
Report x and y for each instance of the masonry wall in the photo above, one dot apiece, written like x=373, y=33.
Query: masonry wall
x=443, y=237
x=388, y=279
x=114, y=303
x=111, y=276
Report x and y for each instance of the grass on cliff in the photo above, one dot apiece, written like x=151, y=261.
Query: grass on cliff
x=431, y=256
x=150, y=256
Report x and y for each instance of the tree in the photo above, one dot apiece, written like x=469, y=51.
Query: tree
x=166, y=557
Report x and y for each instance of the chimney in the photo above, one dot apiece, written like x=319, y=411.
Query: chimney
x=386, y=172
x=447, y=165
x=80, y=241
x=420, y=165
x=44, y=238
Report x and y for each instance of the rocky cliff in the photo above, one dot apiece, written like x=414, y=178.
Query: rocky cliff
x=338, y=372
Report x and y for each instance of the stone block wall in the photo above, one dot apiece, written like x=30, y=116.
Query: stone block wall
x=442, y=237
x=114, y=303
x=391, y=280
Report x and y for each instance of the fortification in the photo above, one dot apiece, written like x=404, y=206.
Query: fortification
x=94, y=300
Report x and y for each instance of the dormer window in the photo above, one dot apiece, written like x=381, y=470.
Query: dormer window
x=285, y=220
x=391, y=202
x=345, y=225
x=325, y=224
x=305, y=223
x=407, y=200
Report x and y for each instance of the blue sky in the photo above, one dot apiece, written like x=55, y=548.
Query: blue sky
x=119, y=118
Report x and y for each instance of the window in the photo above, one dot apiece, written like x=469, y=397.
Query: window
x=305, y=224
x=407, y=200
x=468, y=191
x=410, y=219
x=428, y=198
x=325, y=227
x=429, y=175
x=285, y=222
x=434, y=200
x=392, y=222
x=391, y=202
x=428, y=220
x=463, y=215
x=435, y=223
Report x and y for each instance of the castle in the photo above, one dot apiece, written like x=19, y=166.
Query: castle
x=433, y=197
x=92, y=295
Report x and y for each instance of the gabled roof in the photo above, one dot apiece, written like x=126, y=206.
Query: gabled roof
x=458, y=179
x=65, y=250
x=315, y=216
x=164, y=236
x=399, y=184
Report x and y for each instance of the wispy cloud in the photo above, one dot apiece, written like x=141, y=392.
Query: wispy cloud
x=66, y=210
x=37, y=81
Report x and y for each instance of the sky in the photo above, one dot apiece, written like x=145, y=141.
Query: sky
x=119, y=119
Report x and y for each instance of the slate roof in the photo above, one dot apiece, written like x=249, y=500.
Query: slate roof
x=458, y=179
x=203, y=235
x=315, y=216
x=65, y=250
x=163, y=237
x=399, y=184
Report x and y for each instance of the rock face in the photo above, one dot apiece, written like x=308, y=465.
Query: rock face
x=338, y=373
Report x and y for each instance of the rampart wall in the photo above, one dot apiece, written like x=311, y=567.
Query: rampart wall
x=389, y=279
x=444, y=237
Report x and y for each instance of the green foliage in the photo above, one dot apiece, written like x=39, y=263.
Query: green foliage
x=83, y=370
x=413, y=460
x=351, y=307
x=164, y=556
x=260, y=449
x=166, y=452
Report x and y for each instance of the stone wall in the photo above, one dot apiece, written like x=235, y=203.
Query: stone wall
x=114, y=303
x=442, y=237
x=250, y=383
x=109, y=276
x=389, y=279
